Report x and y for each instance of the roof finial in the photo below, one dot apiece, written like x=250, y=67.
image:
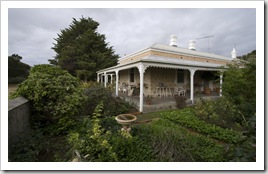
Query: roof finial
x=233, y=53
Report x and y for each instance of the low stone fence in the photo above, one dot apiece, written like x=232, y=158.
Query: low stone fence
x=18, y=119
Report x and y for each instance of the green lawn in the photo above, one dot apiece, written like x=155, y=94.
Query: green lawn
x=151, y=115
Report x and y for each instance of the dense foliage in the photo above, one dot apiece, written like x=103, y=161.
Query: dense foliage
x=223, y=113
x=215, y=112
x=82, y=51
x=101, y=140
x=173, y=143
x=55, y=96
x=28, y=148
x=237, y=109
x=17, y=70
x=239, y=87
x=180, y=101
x=162, y=140
x=92, y=142
x=94, y=93
x=248, y=57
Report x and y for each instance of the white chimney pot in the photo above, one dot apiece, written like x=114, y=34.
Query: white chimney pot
x=192, y=44
x=173, y=41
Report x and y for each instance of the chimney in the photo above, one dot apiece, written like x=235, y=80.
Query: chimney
x=192, y=44
x=233, y=53
x=173, y=41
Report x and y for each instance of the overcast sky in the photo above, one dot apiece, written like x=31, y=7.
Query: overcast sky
x=32, y=31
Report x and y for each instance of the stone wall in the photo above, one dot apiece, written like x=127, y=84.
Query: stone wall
x=18, y=118
x=124, y=78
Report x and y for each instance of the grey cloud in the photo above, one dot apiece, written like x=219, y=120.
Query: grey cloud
x=31, y=31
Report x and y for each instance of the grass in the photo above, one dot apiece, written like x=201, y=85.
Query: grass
x=151, y=115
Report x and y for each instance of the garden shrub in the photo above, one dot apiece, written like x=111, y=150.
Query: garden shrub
x=101, y=139
x=109, y=123
x=55, y=96
x=27, y=149
x=220, y=112
x=245, y=149
x=113, y=106
x=239, y=88
x=180, y=101
x=131, y=148
x=93, y=145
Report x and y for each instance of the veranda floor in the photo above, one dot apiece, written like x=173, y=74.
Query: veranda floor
x=163, y=103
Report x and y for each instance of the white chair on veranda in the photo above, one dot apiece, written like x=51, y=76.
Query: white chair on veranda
x=180, y=91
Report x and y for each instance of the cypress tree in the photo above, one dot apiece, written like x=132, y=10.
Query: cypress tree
x=82, y=51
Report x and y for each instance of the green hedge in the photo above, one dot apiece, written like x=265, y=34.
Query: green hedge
x=187, y=118
x=55, y=96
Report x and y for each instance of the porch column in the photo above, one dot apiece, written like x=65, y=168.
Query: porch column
x=141, y=70
x=116, y=82
x=192, y=71
x=98, y=77
x=221, y=75
x=105, y=79
x=112, y=78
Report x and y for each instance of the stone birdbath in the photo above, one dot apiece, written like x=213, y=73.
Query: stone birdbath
x=126, y=120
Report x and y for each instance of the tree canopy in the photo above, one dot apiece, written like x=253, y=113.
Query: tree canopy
x=239, y=84
x=248, y=57
x=17, y=70
x=82, y=51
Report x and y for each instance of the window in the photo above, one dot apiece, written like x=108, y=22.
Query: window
x=180, y=76
x=131, y=75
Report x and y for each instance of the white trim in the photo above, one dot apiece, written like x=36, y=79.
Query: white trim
x=192, y=72
x=116, y=83
x=141, y=71
x=221, y=77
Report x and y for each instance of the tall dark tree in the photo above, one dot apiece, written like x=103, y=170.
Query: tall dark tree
x=248, y=57
x=239, y=84
x=82, y=51
x=17, y=70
